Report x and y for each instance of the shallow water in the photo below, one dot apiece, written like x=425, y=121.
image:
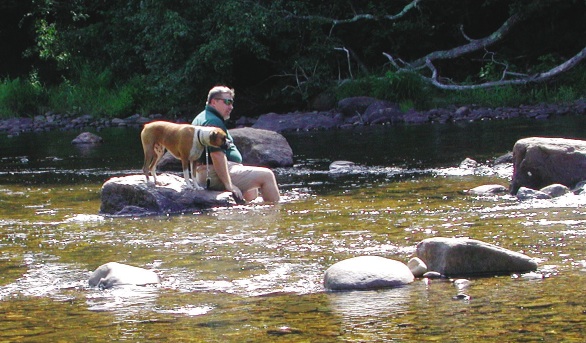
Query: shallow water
x=254, y=273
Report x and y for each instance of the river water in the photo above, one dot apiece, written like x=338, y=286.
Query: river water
x=254, y=273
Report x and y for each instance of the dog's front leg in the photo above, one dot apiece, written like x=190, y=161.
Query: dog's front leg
x=192, y=170
x=186, y=177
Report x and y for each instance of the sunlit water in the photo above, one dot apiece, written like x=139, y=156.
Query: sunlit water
x=254, y=273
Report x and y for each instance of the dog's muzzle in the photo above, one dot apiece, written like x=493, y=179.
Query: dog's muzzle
x=227, y=144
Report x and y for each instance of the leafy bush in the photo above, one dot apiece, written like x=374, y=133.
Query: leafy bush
x=21, y=97
x=96, y=94
x=406, y=89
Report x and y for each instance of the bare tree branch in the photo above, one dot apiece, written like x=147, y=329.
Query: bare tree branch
x=406, y=9
x=413, y=4
x=473, y=45
x=348, y=60
x=567, y=65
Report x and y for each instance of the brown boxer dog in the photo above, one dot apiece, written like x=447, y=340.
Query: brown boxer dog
x=185, y=142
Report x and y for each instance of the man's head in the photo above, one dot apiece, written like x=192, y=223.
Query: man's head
x=222, y=99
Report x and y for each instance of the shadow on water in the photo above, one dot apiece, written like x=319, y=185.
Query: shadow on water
x=254, y=273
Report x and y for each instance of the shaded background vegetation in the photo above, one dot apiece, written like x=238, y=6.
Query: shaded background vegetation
x=119, y=57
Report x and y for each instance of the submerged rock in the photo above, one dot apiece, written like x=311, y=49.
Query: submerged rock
x=87, y=138
x=489, y=190
x=367, y=272
x=464, y=256
x=341, y=166
x=115, y=274
x=525, y=193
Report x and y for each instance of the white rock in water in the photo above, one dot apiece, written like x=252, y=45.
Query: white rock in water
x=114, y=274
x=367, y=272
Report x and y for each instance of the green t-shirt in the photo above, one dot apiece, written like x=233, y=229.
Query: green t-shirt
x=211, y=117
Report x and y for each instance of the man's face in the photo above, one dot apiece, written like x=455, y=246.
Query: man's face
x=224, y=104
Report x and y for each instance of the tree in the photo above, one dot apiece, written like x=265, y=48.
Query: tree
x=279, y=54
x=483, y=44
x=520, y=11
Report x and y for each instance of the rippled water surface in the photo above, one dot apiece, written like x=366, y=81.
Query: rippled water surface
x=254, y=273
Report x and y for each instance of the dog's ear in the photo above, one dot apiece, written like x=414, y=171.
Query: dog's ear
x=218, y=138
x=214, y=135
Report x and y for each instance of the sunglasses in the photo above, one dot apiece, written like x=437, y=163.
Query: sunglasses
x=227, y=101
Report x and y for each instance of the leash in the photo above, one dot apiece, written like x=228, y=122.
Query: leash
x=208, y=180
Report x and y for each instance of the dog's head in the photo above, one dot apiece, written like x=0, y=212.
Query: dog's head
x=216, y=137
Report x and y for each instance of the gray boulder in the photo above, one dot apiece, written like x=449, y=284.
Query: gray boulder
x=116, y=274
x=262, y=147
x=539, y=162
x=556, y=190
x=463, y=256
x=131, y=195
x=382, y=112
x=367, y=272
x=352, y=106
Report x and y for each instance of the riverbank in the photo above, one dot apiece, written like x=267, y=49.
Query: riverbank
x=350, y=113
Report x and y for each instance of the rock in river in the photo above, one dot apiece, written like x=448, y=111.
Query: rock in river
x=464, y=256
x=542, y=161
x=131, y=195
x=115, y=274
x=367, y=272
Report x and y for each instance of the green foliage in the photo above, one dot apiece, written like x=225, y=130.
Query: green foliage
x=404, y=88
x=21, y=97
x=564, y=90
x=164, y=55
x=92, y=92
x=498, y=96
x=97, y=94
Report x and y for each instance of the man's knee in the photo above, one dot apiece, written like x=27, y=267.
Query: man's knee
x=263, y=174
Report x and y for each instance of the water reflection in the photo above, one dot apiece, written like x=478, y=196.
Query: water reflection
x=383, y=303
x=124, y=301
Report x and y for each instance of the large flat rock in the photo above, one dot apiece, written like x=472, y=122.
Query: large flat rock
x=131, y=195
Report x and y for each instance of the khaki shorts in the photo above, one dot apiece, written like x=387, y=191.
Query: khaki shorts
x=242, y=176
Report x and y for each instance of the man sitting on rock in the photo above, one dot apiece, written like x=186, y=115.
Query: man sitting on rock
x=226, y=171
